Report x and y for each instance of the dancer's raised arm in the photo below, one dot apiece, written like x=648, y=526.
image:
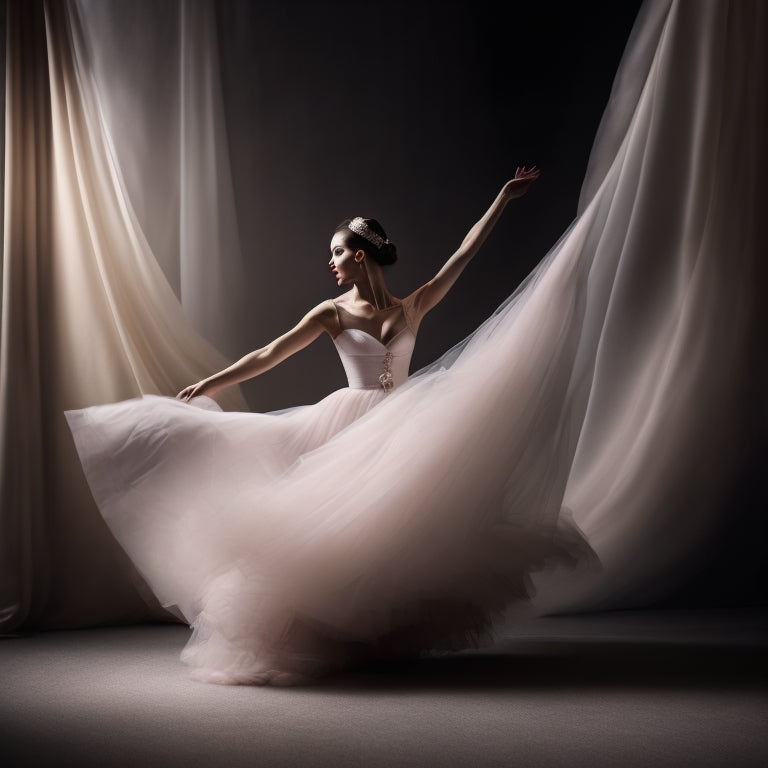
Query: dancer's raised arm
x=348, y=267
x=260, y=360
x=432, y=292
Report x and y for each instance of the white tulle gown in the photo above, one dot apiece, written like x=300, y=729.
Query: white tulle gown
x=375, y=521
x=616, y=382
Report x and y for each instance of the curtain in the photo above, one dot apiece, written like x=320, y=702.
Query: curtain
x=155, y=68
x=675, y=408
x=87, y=316
x=659, y=373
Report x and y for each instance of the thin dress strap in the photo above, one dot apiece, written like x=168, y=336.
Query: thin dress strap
x=338, y=316
x=405, y=304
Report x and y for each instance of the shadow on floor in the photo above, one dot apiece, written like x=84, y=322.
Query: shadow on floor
x=568, y=664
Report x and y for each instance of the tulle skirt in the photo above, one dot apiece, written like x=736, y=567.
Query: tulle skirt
x=300, y=541
x=372, y=523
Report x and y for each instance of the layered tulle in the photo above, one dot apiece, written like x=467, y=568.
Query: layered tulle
x=367, y=523
x=611, y=383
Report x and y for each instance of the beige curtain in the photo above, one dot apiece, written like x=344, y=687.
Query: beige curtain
x=155, y=69
x=87, y=317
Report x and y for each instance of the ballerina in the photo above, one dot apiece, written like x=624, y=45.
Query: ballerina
x=359, y=249
x=298, y=541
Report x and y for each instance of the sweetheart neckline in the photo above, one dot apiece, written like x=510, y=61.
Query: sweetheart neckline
x=371, y=336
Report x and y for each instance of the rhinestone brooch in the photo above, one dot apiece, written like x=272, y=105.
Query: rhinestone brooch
x=386, y=378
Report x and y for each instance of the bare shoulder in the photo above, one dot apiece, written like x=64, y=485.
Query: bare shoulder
x=325, y=315
x=343, y=300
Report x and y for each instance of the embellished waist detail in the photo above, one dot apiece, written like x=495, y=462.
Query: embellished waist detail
x=369, y=364
x=380, y=371
x=386, y=379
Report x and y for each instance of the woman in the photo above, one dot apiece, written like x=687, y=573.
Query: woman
x=359, y=249
x=297, y=541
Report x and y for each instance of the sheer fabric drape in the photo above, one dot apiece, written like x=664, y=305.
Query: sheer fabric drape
x=155, y=68
x=671, y=343
x=658, y=376
x=87, y=316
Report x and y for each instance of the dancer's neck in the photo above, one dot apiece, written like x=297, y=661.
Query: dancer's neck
x=371, y=288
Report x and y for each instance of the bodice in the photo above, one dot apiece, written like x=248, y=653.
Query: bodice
x=369, y=363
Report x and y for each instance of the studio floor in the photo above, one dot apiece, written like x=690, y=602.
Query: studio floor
x=666, y=688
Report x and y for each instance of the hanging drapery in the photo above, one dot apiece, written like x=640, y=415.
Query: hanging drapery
x=24, y=561
x=675, y=405
x=661, y=375
x=155, y=68
x=88, y=317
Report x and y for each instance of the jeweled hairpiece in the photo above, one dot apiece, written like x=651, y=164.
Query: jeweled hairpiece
x=359, y=227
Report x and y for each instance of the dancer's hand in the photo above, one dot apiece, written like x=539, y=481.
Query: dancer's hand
x=202, y=388
x=518, y=186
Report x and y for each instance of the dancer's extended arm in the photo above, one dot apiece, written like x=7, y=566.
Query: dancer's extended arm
x=260, y=360
x=432, y=292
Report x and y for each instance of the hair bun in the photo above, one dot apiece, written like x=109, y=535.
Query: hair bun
x=387, y=254
x=367, y=234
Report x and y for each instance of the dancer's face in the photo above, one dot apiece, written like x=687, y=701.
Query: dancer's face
x=345, y=263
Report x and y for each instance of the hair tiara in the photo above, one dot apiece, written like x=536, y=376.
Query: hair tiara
x=359, y=226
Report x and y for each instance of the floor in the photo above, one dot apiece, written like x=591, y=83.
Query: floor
x=666, y=688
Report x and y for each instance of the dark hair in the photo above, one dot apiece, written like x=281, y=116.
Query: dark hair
x=385, y=255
